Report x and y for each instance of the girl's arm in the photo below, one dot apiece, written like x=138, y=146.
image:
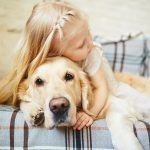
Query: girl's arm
x=100, y=95
x=100, y=91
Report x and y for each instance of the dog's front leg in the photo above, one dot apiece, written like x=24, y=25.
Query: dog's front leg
x=33, y=113
x=121, y=128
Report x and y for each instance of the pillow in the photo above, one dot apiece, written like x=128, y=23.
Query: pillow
x=129, y=54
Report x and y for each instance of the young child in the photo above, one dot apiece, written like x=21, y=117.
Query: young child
x=58, y=29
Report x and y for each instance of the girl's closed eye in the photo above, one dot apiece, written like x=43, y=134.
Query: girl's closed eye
x=82, y=44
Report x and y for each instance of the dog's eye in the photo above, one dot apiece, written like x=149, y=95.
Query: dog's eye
x=68, y=76
x=39, y=82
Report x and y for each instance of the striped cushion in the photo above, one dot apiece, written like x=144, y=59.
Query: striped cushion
x=15, y=133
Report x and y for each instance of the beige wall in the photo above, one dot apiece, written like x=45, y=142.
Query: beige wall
x=108, y=18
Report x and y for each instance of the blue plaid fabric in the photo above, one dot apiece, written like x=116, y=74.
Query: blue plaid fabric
x=128, y=54
x=15, y=134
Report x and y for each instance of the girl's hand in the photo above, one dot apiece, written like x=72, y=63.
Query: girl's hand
x=82, y=120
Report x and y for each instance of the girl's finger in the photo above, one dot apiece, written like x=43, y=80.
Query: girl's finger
x=83, y=124
x=79, y=121
x=89, y=123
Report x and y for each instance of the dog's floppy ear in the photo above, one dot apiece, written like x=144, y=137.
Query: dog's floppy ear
x=23, y=91
x=86, y=91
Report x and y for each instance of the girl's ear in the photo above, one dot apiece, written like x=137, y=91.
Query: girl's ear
x=86, y=91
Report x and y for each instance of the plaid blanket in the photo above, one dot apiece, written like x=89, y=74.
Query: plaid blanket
x=16, y=134
x=129, y=54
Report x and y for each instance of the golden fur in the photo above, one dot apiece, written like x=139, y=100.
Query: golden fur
x=55, y=86
x=138, y=82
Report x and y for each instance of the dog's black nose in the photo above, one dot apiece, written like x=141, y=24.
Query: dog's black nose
x=59, y=105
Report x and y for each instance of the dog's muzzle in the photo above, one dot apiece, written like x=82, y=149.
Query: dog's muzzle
x=59, y=107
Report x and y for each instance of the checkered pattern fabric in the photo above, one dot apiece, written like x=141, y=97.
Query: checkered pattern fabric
x=129, y=54
x=15, y=134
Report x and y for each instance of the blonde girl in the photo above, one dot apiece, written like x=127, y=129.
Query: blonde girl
x=56, y=28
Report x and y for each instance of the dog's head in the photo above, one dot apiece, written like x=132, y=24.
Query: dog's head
x=60, y=86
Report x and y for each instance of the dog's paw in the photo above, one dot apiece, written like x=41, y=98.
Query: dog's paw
x=33, y=113
x=37, y=118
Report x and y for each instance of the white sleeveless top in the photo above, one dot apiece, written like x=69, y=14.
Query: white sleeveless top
x=93, y=61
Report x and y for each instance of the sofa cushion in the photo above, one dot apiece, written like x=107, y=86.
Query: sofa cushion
x=130, y=53
x=15, y=133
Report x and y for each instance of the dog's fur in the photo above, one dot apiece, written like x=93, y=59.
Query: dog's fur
x=35, y=99
x=120, y=111
x=140, y=83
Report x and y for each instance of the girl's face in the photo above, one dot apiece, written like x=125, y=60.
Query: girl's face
x=80, y=43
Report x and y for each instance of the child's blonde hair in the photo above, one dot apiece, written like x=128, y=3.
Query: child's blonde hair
x=43, y=34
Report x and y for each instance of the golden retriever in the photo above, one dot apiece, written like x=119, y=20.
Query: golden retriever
x=55, y=88
x=58, y=88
